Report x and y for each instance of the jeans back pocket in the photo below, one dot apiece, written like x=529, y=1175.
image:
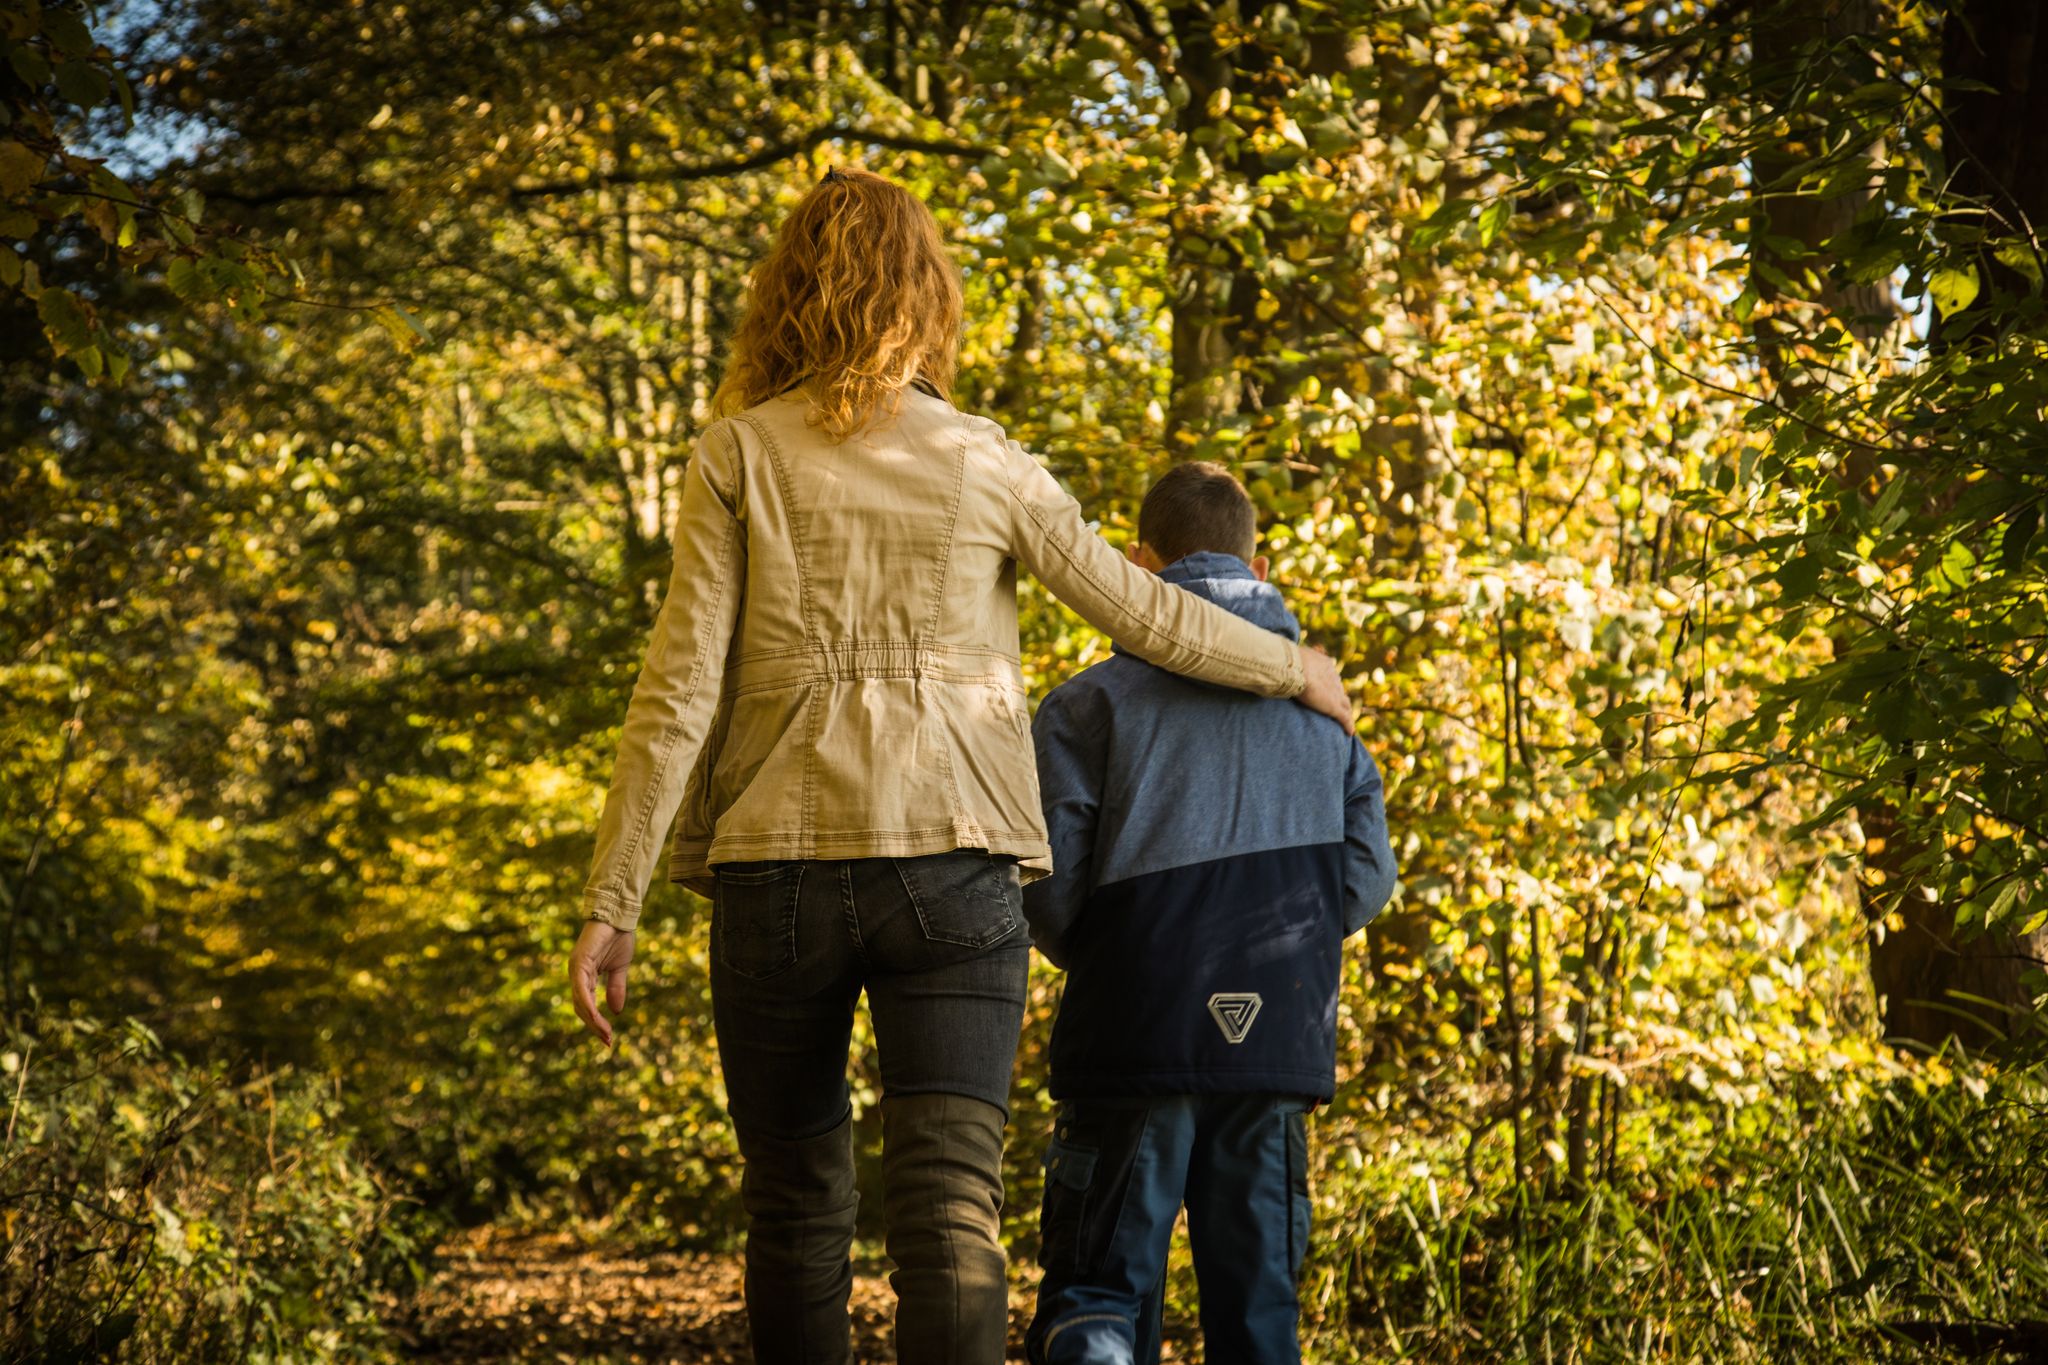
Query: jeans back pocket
x=969, y=898
x=754, y=916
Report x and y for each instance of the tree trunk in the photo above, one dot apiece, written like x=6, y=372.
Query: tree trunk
x=1936, y=981
x=1213, y=292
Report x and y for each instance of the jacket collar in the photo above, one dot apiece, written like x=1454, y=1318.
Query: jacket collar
x=1229, y=582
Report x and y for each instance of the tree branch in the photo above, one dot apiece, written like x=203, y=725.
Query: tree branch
x=680, y=173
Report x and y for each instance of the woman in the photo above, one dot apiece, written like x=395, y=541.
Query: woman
x=833, y=703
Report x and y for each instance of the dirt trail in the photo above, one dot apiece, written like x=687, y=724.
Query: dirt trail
x=505, y=1297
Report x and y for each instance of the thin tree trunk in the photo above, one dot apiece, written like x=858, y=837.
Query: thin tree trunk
x=1213, y=292
x=1026, y=345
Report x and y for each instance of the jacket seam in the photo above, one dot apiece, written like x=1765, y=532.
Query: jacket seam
x=799, y=545
x=832, y=835
x=866, y=646
x=880, y=675
x=1288, y=842
x=809, y=828
x=943, y=579
x=938, y=603
x=951, y=827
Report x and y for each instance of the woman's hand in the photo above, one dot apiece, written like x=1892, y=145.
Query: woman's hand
x=602, y=953
x=1325, y=691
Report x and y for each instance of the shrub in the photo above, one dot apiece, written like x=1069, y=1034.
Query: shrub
x=157, y=1210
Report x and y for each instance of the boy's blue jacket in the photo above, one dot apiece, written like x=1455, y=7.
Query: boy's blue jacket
x=1211, y=852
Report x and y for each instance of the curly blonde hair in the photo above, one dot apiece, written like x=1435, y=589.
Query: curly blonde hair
x=858, y=296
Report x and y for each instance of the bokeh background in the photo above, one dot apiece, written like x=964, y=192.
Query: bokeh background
x=1643, y=400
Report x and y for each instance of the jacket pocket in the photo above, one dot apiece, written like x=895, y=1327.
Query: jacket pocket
x=754, y=916
x=969, y=899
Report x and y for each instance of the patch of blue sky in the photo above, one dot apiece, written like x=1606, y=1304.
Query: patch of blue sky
x=142, y=34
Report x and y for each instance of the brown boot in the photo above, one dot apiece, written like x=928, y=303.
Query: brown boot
x=800, y=1203
x=942, y=1178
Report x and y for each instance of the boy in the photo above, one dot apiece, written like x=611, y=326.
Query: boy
x=1211, y=853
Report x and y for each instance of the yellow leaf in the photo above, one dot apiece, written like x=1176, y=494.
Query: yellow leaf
x=1953, y=290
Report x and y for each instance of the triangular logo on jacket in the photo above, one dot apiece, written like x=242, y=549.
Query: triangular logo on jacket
x=1234, y=1012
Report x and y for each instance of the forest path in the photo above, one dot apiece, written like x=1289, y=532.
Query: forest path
x=548, y=1299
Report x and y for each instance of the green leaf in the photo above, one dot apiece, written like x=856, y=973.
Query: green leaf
x=1956, y=562
x=1888, y=500
x=1492, y=218
x=1801, y=576
x=83, y=83
x=64, y=320
x=405, y=316
x=2019, y=535
x=67, y=32
x=2003, y=903
x=188, y=281
x=2019, y=256
x=1953, y=290
x=28, y=64
x=1995, y=688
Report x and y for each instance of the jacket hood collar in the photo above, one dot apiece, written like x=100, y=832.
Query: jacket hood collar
x=1229, y=582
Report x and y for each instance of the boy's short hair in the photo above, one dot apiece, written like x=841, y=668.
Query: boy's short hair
x=1198, y=506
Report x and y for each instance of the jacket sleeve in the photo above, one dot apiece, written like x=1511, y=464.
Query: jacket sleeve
x=678, y=688
x=1070, y=771
x=1369, y=874
x=1146, y=615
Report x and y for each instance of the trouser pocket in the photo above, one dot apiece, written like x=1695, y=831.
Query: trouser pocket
x=1299, y=1206
x=1063, y=1222
x=967, y=898
x=753, y=915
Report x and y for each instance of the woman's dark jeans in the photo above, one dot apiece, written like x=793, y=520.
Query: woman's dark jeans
x=938, y=944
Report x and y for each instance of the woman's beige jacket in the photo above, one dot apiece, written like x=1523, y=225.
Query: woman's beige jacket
x=834, y=671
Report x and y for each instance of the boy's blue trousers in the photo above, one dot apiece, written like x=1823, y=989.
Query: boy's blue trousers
x=1117, y=1173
